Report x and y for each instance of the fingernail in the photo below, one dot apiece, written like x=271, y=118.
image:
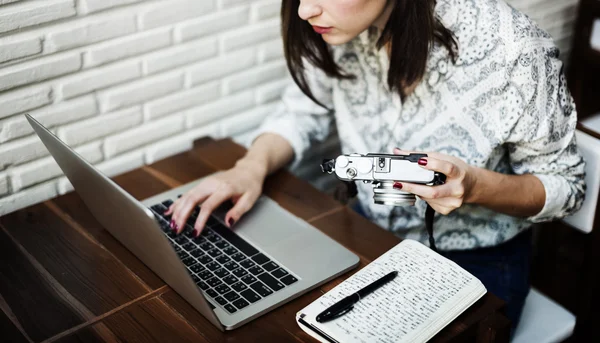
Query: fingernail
x=172, y=224
x=175, y=227
x=422, y=162
x=231, y=222
x=397, y=185
x=196, y=233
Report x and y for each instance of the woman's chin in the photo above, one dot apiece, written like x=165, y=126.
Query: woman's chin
x=336, y=39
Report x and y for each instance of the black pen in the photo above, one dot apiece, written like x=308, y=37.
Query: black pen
x=346, y=304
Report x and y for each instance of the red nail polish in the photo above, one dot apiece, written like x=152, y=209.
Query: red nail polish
x=397, y=185
x=231, y=222
x=196, y=233
x=422, y=162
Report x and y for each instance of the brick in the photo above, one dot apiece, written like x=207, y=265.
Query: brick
x=265, y=9
x=178, y=144
x=271, y=91
x=31, y=13
x=89, y=6
x=214, y=23
x=230, y=3
x=38, y=70
x=192, y=52
x=255, y=76
x=219, y=109
x=3, y=184
x=24, y=100
x=100, y=126
x=270, y=51
x=47, y=168
x=221, y=66
x=245, y=121
x=174, y=11
x=28, y=197
x=182, y=100
x=15, y=47
x=21, y=151
x=88, y=31
x=122, y=164
x=140, y=91
x=50, y=117
x=142, y=135
x=100, y=78
x=127, y=47
x=250, y=35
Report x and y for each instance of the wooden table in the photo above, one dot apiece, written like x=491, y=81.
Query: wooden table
x=64, y=278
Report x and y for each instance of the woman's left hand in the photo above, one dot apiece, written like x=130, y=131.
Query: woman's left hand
x=459, y=186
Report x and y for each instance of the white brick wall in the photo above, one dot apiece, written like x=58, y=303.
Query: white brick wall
x=129, y=82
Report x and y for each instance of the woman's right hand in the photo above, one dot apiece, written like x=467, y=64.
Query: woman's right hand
x=242, y=185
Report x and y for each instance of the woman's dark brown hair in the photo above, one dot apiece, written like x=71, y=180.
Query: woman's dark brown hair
x=411, y=30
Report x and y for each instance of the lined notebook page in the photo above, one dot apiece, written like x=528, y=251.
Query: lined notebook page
x=428, y=293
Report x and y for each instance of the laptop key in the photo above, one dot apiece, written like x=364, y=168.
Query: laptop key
x=196, y=268
x=240, y=272
x=250, y=295
x=205, y=259
x=222, y=244
x=206, y=246
x=279, y=273
x=202, y=285
x=181, y=240
x=182, y=254
x=167, y=203
x=270, y=266
x=240, y=286
x=221, y=300
x=230, y=308
x=221, y=272
x=195, y=278
x=189, y=246
x=199, y=240
x=260, y=259
x=214, y=252
x=248, y=279
x=247, y=264
x=230, y=251
x=230, y=279
x=223, y=259
x=177, y=248
x=235, y=240
x=288, y=280
x=214, y=282
x=256, y=270
x=238, y=256
x=214, y=238
x=196, y=252
x=222, y=289
x=188, y=261
x=205, y=275
x=212, y=266
x=231, y=265
x=240, y=303
x=261, y=289
x=270, y=281
x=231, y=296
x=212, y=293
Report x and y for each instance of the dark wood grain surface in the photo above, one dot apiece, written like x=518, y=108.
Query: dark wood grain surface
x=64, y=278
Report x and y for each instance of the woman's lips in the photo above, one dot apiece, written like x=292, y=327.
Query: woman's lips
x=322, y=30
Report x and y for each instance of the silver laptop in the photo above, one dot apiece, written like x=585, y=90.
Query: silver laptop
x=230, y=276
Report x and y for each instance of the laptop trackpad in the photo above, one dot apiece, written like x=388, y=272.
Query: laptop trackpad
x=268, y=224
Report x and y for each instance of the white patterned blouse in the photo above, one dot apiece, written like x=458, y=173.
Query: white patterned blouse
x=504, y=105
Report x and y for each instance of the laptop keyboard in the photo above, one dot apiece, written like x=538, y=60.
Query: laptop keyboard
x=229, y=270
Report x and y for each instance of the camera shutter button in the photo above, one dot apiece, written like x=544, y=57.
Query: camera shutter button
x=342, y=162
x=364, y=165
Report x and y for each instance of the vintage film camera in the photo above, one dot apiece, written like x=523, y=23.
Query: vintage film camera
x=383, y=171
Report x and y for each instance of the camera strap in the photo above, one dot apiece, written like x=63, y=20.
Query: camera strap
x=429, y=214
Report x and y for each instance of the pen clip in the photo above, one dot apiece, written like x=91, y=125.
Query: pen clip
x=341, y=313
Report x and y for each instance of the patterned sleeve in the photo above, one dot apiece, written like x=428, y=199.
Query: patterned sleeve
x=297, y=118
x=542, y=140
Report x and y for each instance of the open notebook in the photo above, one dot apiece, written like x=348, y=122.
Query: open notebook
x=428, y=293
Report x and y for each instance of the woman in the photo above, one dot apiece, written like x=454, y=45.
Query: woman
x=473, y=83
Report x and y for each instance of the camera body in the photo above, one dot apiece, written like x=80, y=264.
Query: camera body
x=383, y=170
